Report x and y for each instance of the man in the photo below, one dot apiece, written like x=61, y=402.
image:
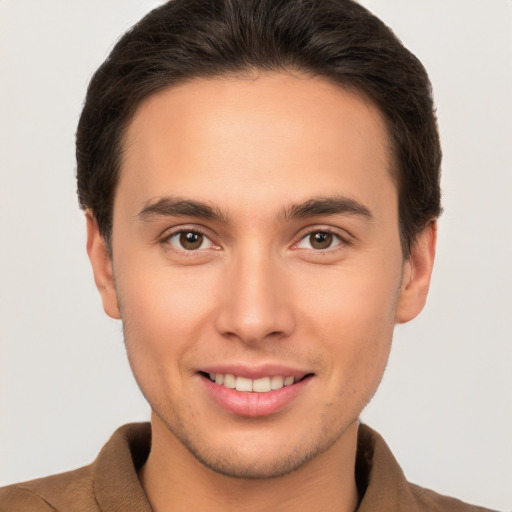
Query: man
x=261, y=188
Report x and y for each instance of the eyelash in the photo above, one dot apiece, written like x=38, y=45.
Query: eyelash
x=342, y=240
x=165, y=240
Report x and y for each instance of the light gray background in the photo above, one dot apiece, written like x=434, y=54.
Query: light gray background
x=445, y=405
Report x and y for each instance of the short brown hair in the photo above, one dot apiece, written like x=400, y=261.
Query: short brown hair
x=336, y=39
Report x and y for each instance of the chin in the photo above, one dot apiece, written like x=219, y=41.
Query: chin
x=235, y=463
x=263, y=453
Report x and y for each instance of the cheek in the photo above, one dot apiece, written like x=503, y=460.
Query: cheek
x=164, y=311
x=351, y=314
x=361, y=297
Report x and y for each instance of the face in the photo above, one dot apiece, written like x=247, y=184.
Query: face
x=257, y=267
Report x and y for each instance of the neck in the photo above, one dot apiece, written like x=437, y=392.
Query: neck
x=173, y=479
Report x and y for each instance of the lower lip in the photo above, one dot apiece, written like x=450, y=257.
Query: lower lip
x=252, y=404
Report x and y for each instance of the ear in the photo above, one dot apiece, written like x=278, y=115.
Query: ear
x=101, y=267
x=416, y=275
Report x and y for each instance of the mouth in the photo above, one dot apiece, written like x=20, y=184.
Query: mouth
x=261, y=396
x=259, y=385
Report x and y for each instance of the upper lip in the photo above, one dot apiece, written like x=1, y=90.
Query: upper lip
x=256, y=371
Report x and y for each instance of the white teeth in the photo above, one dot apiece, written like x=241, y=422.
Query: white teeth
x=243, y=384
x=277, y=382
x=229, y=381
x=261, y=385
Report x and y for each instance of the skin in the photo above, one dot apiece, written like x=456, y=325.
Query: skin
x=257, y=291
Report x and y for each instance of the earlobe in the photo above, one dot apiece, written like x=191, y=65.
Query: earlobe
x=416, y=275
x=102, y=267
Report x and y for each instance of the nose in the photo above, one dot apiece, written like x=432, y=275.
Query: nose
x=255, y=303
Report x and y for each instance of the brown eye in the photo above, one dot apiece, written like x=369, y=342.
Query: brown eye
x=189, y=241
x=320, y=240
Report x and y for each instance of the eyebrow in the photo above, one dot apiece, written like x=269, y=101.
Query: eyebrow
x=335, y=205
x=179, y=207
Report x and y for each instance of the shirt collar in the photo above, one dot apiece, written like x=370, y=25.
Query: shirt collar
x=380, y=480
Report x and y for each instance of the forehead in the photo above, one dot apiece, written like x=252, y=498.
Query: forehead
x=261, y=137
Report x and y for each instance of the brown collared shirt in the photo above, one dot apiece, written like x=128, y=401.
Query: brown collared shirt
x=111, y=484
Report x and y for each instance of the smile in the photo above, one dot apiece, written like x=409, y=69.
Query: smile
x=255, y=397
x=260, y=385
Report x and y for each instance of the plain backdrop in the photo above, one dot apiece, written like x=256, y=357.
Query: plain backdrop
x=445, y=404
